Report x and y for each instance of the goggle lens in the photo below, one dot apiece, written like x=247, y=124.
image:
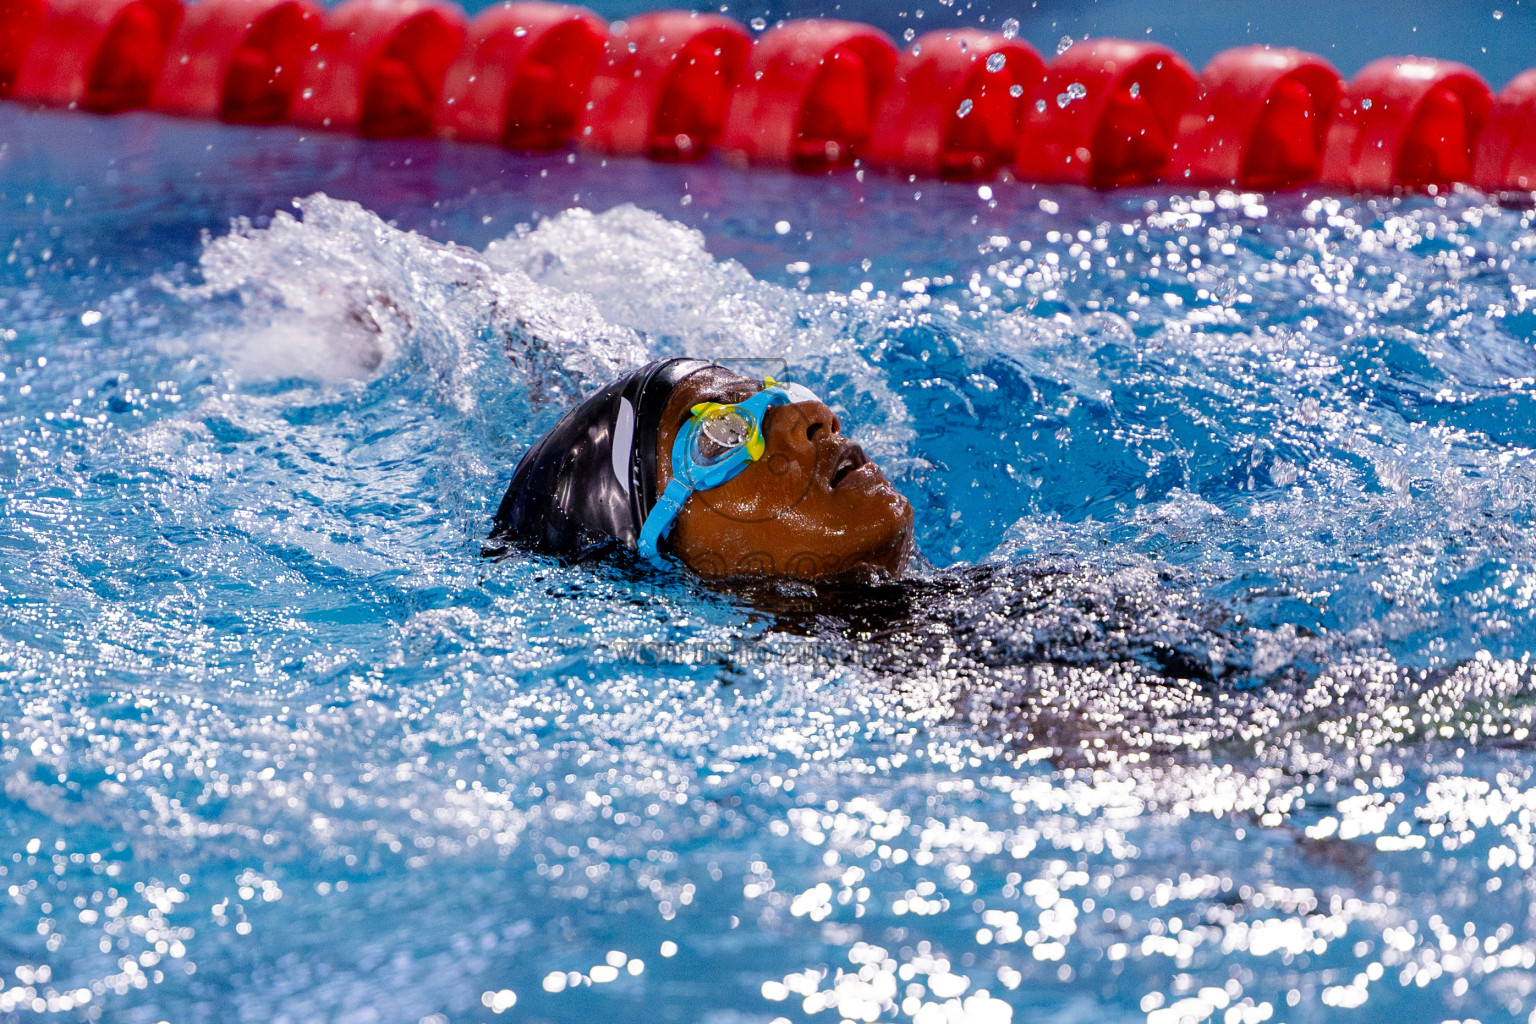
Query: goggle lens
x=721, y=433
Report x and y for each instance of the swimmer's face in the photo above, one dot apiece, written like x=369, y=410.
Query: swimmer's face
x=812, y=507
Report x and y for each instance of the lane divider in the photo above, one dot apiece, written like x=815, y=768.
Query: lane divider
x=1108, y=114
x=664, y=85
x=921, y=128
x=814, y=95
x=1406, y=122
x=378, y=68
x=1259, y=119
x=523, y=75
x=238, y=60
x=1506, y=153
x=809, y=96
x=101, y=55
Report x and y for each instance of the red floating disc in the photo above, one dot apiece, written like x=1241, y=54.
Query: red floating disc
x=1506, y=153
x=1106, y=114
x=809, y=96
x=1258, y=120
x=951, y=111
x=19, y=24
x=378, y=69
x=523, y=76
x=664, y=84
x=102, y=55
x=1406, y=122
x=238, y=60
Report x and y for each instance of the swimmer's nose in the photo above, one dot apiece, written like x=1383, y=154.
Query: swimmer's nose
x=814, y=419
x=805, y=433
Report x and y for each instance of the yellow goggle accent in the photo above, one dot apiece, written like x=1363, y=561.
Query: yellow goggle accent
x=756, y=445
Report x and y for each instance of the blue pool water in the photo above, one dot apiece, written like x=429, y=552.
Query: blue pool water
x=1211, y=700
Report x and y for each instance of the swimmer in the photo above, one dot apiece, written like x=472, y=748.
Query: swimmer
x=729, y=475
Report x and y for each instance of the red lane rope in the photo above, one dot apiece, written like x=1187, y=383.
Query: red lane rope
x=813, y=95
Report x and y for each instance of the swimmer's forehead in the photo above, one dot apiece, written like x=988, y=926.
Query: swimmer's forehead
x=718, y=384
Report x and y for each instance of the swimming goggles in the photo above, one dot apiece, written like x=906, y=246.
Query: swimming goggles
x=717, y=443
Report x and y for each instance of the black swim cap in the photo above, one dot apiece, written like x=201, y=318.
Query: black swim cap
x=592, y=479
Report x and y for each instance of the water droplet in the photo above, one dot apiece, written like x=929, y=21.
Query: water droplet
x=758, y=24
x=633, y=47
x=1011, y=28
x=1135, y=89
x=965, y=108
x=1039, y=104
x=909, y=34
x=520, y=31
x=996, y=62
x=1365, y=104
x=1063, y=46
x=1062, y=99
x=1015, y=90
x=1498, y=15
x=1077, y=90
x=917, y=48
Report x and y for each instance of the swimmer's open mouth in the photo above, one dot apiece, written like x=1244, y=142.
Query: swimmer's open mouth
x=852, y=458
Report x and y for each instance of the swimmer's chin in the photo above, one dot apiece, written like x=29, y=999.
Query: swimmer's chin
x=883, y=565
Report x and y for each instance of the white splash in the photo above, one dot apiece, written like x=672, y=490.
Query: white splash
x=338, y=294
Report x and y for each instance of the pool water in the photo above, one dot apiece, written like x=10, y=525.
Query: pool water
x=1209, y=700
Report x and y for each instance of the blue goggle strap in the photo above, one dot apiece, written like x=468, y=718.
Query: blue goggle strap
x=688, y=477
x=659, y=523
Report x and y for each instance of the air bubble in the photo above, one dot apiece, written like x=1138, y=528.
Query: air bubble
x=1063, y=46
x=1365, y=104
x=965, y=108
x=1135, y=89
x=1011, y=28
x=996, y=62
x=758, y=24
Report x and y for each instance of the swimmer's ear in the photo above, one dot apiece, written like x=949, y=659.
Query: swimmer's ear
x=596, y=551
x=498, y=548
x=494, y=551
